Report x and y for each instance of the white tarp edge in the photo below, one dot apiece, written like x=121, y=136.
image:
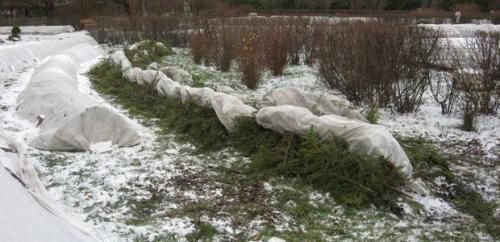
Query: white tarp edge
x=325, y=104
x=26, y=210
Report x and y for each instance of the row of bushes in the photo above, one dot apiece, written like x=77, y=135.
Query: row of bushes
x=393, y=65
x=130, y=29
x=382, y=64
x=256, y=44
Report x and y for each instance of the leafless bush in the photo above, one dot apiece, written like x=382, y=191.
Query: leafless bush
x=276, y=46
x=484, y=53
x=443, y=82
x=316, y=39
x=470, y=97
x=387, y=64
x=199, y=50
x=442, y=86
x=255, y=43
x=298, y=38
x=226, y=51
x=130, y=29
x=250, y=58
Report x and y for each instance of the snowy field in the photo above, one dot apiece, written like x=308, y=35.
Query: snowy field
x=164, y=190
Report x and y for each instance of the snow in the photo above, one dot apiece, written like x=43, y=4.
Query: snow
x=462, y=30
x=102, y=147
x=276, y=239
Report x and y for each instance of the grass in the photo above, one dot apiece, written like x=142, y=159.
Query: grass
x=205, y=232
x=353, y=180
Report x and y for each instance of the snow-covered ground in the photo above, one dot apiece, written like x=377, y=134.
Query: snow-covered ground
x=163, y=189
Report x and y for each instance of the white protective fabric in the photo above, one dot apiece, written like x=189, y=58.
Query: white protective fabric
x=202, y=96
x=169, y=88
x=134, y=74
x=364, y=138
x=179, y=75
x=27, y=213
x=318, y=104
x=228, y=108
x=39, y=29
x=120, y=59
x=148, y=76
x=153, y=66
x=18, y=57
x=72, y=120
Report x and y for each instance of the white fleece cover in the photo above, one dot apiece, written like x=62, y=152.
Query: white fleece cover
x=120, y=59
x=27, y=213
x=178, y=75
x=55, y=29
x=324, y=104
x=18, y=57
x=228, y=108
x=72, y=121
x=364, y=138
x=462, y=30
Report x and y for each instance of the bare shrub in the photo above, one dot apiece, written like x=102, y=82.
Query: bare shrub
x=442, y=86
x=298, y=38
x=387, y=64
x=276, y=48
x=443, y=82
x=484, y=53
x=226, y=50
x=131, y=29
x=316, y=39
x=199, y=47
x=418, y=50
x=250, y=58
x=470, y=97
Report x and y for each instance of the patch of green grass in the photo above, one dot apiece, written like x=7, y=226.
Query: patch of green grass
x=204, y=232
